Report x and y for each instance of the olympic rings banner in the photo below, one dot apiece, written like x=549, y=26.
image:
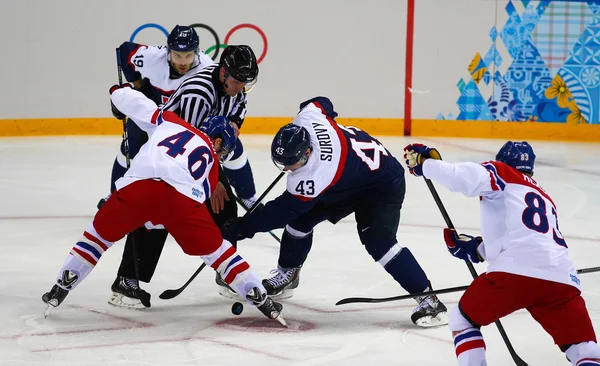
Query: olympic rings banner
x=217, y=46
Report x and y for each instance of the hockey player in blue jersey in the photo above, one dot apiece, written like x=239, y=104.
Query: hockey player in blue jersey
x=334, y=171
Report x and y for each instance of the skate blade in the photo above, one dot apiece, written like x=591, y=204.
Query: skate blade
x=285, y=294
x=47, y=311
x=225, y=292
x=433, y=321
x=281, y=321
x=121, y=301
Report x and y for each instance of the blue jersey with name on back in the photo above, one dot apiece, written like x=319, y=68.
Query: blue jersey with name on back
x=345, y=162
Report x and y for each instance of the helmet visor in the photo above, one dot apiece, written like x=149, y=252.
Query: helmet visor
x=226, y=155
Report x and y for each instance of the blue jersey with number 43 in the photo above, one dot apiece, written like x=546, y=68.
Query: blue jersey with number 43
x=344, y=163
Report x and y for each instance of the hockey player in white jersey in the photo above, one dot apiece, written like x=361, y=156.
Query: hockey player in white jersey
x=529, y=265
x=335, y=171
x=178, y=168
x=156, y=71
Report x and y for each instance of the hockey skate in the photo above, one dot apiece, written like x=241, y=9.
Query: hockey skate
x=266, y=305
x=225, y=290
x=53, y=298
x=430, y=312
x=126, y=293
x=283, y=283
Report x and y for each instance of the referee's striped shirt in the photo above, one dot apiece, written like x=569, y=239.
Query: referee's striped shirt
x=202, y=96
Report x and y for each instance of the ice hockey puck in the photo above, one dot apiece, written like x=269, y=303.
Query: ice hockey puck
x=237, y=308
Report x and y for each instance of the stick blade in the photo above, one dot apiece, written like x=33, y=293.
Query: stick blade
x=169, y=294
x=351, y=300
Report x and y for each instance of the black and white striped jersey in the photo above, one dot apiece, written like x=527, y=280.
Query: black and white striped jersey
x=202, y=96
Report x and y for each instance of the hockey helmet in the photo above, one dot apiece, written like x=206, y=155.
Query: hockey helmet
x=518, y=155
x=240, y=63
x=220, y=127
x=183, y=39
x=289, y=146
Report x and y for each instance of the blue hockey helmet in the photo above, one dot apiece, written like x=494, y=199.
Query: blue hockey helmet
x=518, y=155
x=183, y=39
x=240, y=62
x=289, y=146
x=220, y=127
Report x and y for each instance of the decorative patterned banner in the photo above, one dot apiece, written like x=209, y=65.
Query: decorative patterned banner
x=554, y=70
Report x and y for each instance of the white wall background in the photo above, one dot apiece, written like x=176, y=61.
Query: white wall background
x=447, y=36
x=58, y=57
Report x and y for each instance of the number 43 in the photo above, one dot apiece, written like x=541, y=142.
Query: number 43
x=309, y=185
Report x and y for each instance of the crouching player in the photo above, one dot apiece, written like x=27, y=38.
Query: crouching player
x=178, y=169
x=529, y=264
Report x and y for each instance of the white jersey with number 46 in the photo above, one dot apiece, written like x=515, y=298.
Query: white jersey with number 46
x=176, y=152
x=519, y=223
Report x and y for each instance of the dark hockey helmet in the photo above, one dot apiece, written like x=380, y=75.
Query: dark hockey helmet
x=183, y=39
x=518, y=155
x=240, y=63
x=220, y=127
x=289, y=146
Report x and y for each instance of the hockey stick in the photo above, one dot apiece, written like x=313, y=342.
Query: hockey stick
x=518, y=360
x=239, y=200
x=136, y=266
x=351, y=300
x=169, y=294
x=125, y=134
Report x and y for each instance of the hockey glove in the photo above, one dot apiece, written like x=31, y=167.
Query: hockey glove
x=115, y=111
x=242, y=230
x=463, y=246
x=416, y=154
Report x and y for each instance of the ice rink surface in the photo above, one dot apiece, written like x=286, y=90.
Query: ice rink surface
x=49, y=188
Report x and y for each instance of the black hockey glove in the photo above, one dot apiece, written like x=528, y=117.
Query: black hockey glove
x=115, y=111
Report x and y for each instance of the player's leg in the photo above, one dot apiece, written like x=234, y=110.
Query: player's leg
x=240, y=176
x=124, y=211
x=226, y=220
x=296, y=243
x=126, y=290
x=377, y=217
x=561, y=311
x=192, y=226
x=490, y=297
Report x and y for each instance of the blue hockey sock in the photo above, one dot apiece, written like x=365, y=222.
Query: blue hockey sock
x=242, y=180
x=294, y=249
x=402, y=265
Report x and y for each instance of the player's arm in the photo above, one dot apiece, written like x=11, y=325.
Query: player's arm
x=132, y=62
x=135, y=105
x=302, y=193
x=467, y=178
x=275, y=214
x=470, y=179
